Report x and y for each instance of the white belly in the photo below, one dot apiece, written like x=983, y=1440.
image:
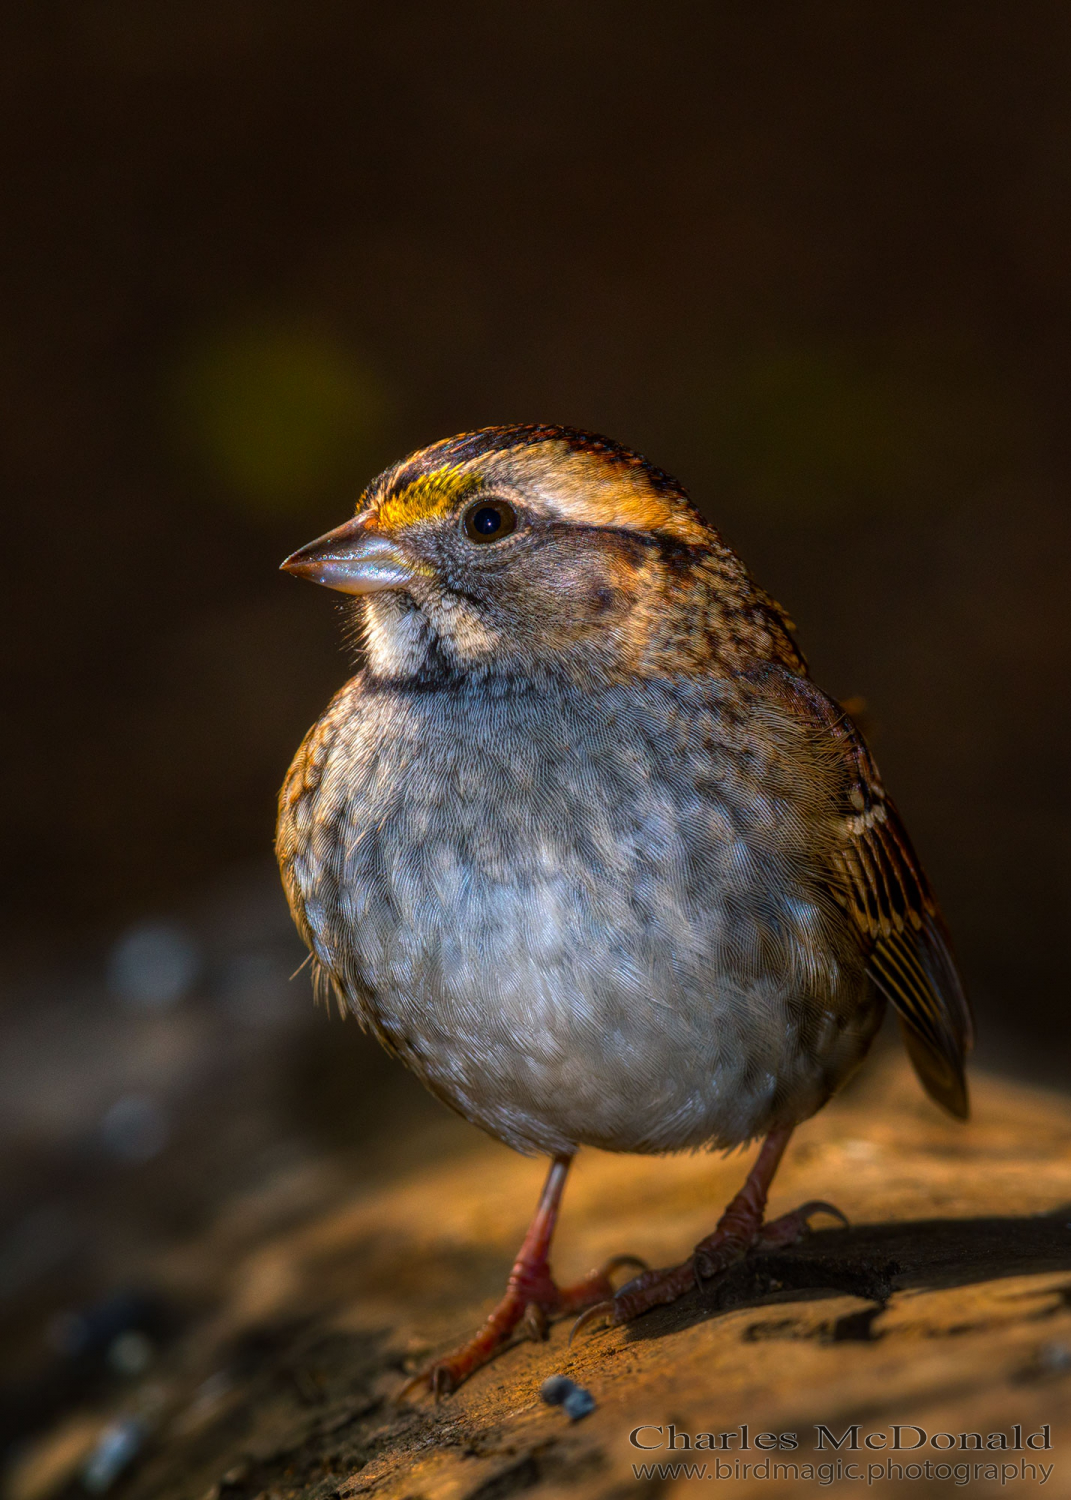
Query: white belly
x=578, y=945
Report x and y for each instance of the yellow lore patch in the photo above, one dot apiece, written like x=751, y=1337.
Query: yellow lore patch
x=433, y=494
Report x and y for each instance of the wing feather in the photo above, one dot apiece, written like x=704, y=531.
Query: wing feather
x=879, y=879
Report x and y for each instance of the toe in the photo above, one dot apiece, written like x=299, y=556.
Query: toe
x=790, y=1228
x=598, y=1285
x=535, y=1324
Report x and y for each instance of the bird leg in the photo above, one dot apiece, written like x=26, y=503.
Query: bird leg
x=532, y=1297
x=739, y=1230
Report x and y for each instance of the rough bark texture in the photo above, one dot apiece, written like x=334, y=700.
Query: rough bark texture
x=946, y=1306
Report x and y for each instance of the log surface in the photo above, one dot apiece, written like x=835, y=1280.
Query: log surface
x=947, y=1306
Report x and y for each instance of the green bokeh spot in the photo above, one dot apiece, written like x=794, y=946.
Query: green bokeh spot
x=279, y=414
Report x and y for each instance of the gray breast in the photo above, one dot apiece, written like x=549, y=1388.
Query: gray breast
x=579, y=918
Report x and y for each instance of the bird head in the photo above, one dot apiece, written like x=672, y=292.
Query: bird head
x=523, y=549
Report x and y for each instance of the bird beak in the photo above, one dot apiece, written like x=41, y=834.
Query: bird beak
x=354, y=558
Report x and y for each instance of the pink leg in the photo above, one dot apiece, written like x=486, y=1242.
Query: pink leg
x=739, y=1230
x=531, y=1297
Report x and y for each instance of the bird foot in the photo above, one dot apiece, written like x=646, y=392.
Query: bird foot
x=532, y=1299
x=738, y=1234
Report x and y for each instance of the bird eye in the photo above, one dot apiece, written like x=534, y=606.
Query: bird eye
x=489, y=521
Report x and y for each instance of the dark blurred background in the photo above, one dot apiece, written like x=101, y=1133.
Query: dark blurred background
x=811, y=258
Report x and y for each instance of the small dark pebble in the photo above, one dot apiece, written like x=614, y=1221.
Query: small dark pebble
x=576, y=1402
x=555, y=1390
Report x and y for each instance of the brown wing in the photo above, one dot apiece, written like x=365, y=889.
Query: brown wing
x=909, y=957
x=882, y=885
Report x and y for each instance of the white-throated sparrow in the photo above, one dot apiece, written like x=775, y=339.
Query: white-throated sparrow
x=584, y=845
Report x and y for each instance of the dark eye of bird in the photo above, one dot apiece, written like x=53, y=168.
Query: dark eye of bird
x=490, y=520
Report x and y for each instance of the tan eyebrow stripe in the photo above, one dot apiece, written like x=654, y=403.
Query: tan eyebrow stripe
x=586, y=489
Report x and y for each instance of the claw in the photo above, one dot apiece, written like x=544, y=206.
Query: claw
x=601, y=1316
x=617, y=1261
x=818, y=1206
x=535, y=1323
x=423, y=1382
x=791, y=1227
x=436, y=1382
x=632, y=1284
